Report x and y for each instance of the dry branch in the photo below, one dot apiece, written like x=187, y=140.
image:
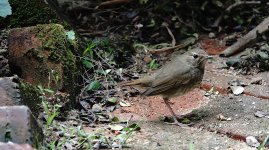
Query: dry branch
x=113, y=2
x=250, y=36
x=185, y=43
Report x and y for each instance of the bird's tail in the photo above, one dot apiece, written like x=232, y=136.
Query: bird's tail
x=129, y=83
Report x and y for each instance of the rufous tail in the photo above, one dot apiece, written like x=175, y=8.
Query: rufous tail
x=129, y=83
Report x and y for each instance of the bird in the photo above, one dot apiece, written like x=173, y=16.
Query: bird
x=177, y=77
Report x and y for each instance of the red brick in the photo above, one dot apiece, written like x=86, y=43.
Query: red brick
x=152, y=108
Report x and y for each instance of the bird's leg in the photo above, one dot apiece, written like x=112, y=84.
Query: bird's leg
x=173, y=114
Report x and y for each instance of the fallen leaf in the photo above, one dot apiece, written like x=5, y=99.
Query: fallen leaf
x=237, y=90
x=260, y=114
x=112, y=99
x=252, y=141
x=124, y=104
x=115, y=127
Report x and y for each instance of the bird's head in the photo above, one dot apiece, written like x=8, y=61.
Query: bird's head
x=198, y=60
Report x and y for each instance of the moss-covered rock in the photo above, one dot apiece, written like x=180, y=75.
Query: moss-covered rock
x=43, y=55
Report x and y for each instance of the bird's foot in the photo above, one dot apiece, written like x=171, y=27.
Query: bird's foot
x=180, y=124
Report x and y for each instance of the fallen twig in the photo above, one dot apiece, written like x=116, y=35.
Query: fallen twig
x=171, y=34
x=184, y=44
x=242, y=42
x=112, y=2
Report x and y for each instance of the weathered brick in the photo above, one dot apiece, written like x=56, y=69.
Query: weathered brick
x=9, y=92
x=153, y=107
x=19, y=126
x=14, y=146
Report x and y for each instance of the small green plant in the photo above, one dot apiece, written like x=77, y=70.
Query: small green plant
x=191, y=146
x=53, y=78
x=89, y=49
x=153, y=64
x=51, y=113
x=263, y=143
x=93, y=86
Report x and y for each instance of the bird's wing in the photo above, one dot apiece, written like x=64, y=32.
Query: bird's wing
x=167, y=80
x=176, y=71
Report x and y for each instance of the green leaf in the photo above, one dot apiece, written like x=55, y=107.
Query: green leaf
x=51, y=118
x=100, y=71
x=152, y=23
x=112, y=99
x=48, y=91
x=132, y=127
x=70, y=35
x=89, y=48
x=93, y=86
x=263, y=143
x=191, y=146
x=46, y=108
x=153, y=64
x=107, y=71
x=87, y=64
x=5, y=8
x=186, y=120
x=115, y=127
x=115, y=119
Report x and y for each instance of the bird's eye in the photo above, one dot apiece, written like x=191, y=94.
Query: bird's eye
x=195, y=56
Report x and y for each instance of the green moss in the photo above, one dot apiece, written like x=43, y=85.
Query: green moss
x=54, y=40
x=30, y=96
x=29, y=13
x=52, y=65
x=33, y=53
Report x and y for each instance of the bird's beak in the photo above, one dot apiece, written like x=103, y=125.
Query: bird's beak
x=208, y=57
x=204, y=58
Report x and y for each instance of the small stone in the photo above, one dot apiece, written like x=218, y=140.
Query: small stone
x=221, y=117
x=237, y=90
x=96, y=108
x=124, y=104
x=211, y=35
x=260, y=114
x=139, y=25
x=252, y=141
x=207, y=94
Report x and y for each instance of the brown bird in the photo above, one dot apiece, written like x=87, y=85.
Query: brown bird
x=182, y=74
